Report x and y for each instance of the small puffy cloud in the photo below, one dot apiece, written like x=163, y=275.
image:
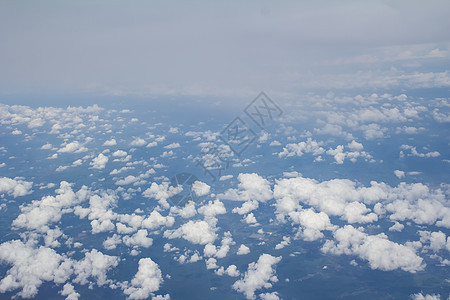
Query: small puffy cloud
x=162, y=192
x=147, y=280
x=69, y=291
x=212, y=209
x=354, y=145
x=99, y=162
x=138, y=142
x=399, y=174
x=196, y=232
x=286, y=241
x=119, y=153
x=73, y=147
x=259, y=275
x=243, y=250
x=111, y=142
x=47, y=146
x=172, y=146
x=139, y=239
x=310, y=146
x=381, y=253
x=15, y=187
x=200, y=188
x=397, y=227
x=421, y=296
x=16, y=132
x=231, y=271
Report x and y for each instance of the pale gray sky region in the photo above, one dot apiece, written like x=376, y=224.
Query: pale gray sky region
x=221, y=48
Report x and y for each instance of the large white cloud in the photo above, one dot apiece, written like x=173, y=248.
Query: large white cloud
x=147, y=280
x=196, y=232
x=95, y=265
x=251, y=187
x=31, y=267
x=99, y=162
x=15, y=187
x=259, y=275
x=380, y=252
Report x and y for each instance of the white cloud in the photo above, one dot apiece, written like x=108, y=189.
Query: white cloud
x=73, y=147
x=310, y=146
x=162, y=192
x=354, y=145
x=250, y=187
x=196, y=232
x=99, y=162
x=138, y=142
x=69, y=291
x=119, y=153
x=397, y=227
x=39, y=214
x=147, y=280
x=15, y=187
x=172, y=146
x=212, y=209
x=399, y=174
x=111, y=142
x=47, y=146
x=243, y=250
x=413, y=152
x=312, y=223
x=200, y=188
x=31, y=267
x=139, y=239
x=421, y=296
x=231, y=271
x=95, y=264
x=381, y=253
x=286, y=241
x=259, y=275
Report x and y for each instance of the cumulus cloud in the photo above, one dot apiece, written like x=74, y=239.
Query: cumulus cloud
x=162, y=192
x=69, y=291
x=95, y=265
x=31, y=267
x=259, y=275
x=111, y=142
x=311, y=224
x=243, y=250
x=250, y=187
x=39, y=214
x=200, y=188
x=139, y=239
x=196, y=232
x=138, y=142
x=310, y=146
x=72, y=147
x=147, y=280
x=99, y=162
x=15, y=187
x=381, y=253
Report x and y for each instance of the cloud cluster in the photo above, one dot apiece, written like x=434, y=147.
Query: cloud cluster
x=381, y=253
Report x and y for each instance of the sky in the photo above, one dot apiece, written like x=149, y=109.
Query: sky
x=225, y=49
x=140, y=159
